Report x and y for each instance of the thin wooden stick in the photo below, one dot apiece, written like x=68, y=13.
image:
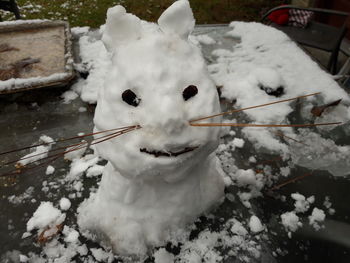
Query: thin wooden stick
x=262, y=125
x=279, y=133
x=50, y=151
x=60, y=148
x=63, y=140
x=253, y=107
x=58, y=155
x=293, y=180
x=276, y=159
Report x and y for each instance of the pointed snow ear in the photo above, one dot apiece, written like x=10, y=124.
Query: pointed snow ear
x=120, y=28
x=177, y=19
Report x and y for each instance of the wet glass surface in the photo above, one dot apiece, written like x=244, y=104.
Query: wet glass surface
x=24, y=117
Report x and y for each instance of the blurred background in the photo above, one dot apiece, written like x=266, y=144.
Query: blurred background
x=92, y=12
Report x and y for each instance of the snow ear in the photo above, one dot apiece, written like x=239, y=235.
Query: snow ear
x=177, y=19
x=120, y=28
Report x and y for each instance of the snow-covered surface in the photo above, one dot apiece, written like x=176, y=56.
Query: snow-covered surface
x=25, y=83
x=257, y=55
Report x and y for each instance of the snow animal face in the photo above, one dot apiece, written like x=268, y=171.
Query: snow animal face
x=157, y=80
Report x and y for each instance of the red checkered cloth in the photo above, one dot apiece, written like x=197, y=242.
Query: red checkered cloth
x=299, y=18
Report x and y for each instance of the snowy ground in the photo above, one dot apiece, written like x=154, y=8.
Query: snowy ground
x=244, y=60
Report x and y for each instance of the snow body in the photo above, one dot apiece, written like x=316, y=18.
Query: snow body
x=144, y=199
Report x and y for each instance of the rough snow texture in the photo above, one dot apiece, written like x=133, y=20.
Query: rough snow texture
x=291, y=221
x=46, y=216
x=316, y=218
x=143, y=203
x=260, y=58
x=301, y=203
x=96, y=60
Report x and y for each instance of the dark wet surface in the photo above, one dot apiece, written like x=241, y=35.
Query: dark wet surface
x=24, y=117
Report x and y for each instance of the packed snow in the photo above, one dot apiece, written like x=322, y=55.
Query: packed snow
x=316, y=218
x=144, y=204
x=65, y=203
x=45, y=216
x=255, y=224
x=50, y=170
x=291, y=221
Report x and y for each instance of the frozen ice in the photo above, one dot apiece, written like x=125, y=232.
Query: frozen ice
x=320, y=153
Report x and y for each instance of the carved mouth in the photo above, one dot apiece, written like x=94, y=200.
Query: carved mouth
x=156, y=153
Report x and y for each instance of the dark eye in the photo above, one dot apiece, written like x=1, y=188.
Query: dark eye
x=189, y=92
x=130, y=98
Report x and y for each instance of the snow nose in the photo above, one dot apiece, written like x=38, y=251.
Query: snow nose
x=171, y=117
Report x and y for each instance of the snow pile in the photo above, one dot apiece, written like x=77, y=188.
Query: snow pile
x=259, y=69
x=80, y=165
x=291, y=221
x=39, y=152
x=234, y=239
x=302, y=204
x=316, y=218
x=45, y=217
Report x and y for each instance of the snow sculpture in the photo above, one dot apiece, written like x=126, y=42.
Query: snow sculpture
x=163, y=176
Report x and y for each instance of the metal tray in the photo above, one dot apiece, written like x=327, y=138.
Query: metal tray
x=47, y=42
